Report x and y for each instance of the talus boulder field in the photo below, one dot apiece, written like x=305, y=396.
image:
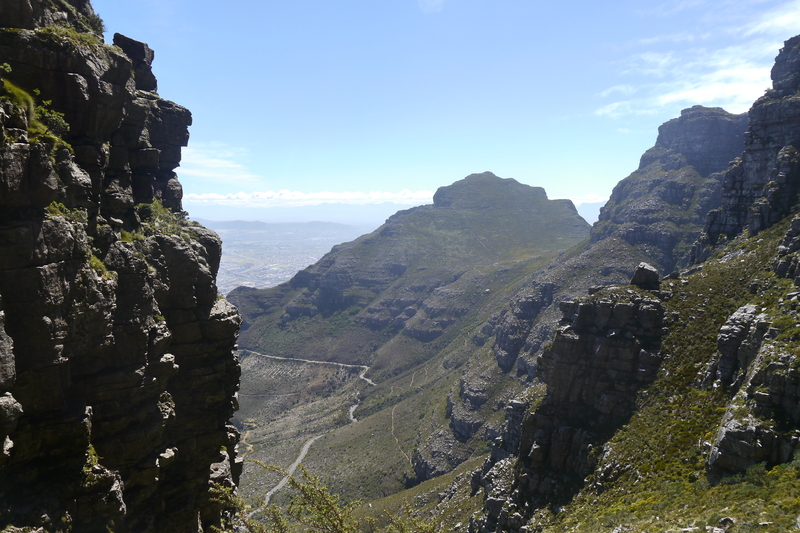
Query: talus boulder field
x=117, y=371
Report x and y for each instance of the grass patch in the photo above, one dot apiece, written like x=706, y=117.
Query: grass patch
x=57, y=209
x=662, y=451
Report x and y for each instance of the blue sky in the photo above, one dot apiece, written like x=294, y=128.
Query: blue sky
x=368, y=101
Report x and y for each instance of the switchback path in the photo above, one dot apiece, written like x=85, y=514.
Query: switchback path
x=309, y=442
x=364, y=368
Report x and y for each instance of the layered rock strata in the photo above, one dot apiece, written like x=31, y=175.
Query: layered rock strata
x=604, y=351
x=662, y=206
x=654, y=215
x=117, y=372
x=762, y=185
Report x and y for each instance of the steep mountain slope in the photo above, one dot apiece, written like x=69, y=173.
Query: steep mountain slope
x=692, y=425
x=403, y=300
x=117, y=370
x=440, y=396
x=409, y=275
x=654, y=216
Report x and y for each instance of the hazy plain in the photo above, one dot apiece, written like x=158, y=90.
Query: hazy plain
x=261, y=255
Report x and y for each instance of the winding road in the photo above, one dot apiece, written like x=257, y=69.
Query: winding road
x=292, y=468
x=309, y=442
x=362, y=375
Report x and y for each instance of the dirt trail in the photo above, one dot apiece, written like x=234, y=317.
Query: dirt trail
x=398, y=441
x=362, y=376
x=307, y=445
x=292, y=468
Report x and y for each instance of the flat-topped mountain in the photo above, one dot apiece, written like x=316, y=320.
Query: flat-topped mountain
x=418, y=274
x=398, y=300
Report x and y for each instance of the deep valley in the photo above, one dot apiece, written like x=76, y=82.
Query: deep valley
x=487, y=363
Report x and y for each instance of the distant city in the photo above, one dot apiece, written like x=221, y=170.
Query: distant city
x=265, y=254
x=261, y=255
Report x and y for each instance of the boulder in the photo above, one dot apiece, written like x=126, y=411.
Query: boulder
x=646, y=276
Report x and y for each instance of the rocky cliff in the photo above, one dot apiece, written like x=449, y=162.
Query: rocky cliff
x=761, y=186
x=605, y=349
x=691, y=388
x=117, y=373
x=654, y=216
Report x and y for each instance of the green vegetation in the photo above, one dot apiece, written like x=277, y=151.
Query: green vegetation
x=312, y=508
x=45, y=125
x=52, y=120
x=91, y=23
x=661, y=453
x=57, y=209
x=97, y=265
x=159, y=219
x=90, y=476
x=20, y=98
x=69, y=36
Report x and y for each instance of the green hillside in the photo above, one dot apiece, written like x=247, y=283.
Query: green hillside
x=403, y=300
x=538, y=390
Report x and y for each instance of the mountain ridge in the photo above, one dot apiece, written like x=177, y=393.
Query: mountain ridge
x=499, y=356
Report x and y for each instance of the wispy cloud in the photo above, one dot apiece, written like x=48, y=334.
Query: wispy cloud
x=783, y=20
x=431, y=6
x=731, y=77
x=215, y=162
x=621, y=89
x=674, y=38
x=287, y=198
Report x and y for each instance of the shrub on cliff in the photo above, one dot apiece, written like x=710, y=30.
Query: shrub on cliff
x=313, y=508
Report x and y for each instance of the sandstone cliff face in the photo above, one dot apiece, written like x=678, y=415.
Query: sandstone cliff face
x=117, y=371
x=604, y=351
x=653, y=215
x=661, y=207
x=760, y=187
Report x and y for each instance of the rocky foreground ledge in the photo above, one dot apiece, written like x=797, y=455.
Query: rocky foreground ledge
x=117, y=366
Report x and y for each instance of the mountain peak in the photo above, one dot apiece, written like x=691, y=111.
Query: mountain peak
x=485, y=190
x=786, y=71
